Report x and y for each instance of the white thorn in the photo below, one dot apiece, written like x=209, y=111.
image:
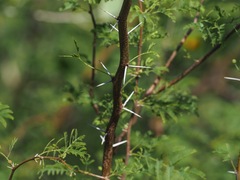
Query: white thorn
x=103, y=138
x=138, y=66
x=134, y=28
x=125, y=73
x=105, y=68
x=113, y=26
x=232, y=172
x=119, y=143
x=102, y=84
x=230, y=78
x=124, y=104
x=36, y=155
x=126, y=109
x=109, y=14
x=97, y=128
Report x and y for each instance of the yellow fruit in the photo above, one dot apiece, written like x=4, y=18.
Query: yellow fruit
x=192, y=43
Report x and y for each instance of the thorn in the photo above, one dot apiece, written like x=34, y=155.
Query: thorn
x=134, y=28
x=103, y=138
x=97, y=128
x=113, y=26
x=232, y=172
x=126, y=109
x=119, y=143
x=36, y=155
x=102, y=84
x=105, y=68
x=109, y=13
x=125, y=73
x=124, y=104
x=131, y=66
x=230, y=78
x=138, y=66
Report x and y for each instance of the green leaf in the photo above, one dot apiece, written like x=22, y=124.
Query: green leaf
x=181, y=153
x=224, y=152
x=70, y=4
x=198, y=173
x=5, y=113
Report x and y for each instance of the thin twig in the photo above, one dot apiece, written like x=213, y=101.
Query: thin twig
x=200, y=61
x=94, y=43
x=14, y=168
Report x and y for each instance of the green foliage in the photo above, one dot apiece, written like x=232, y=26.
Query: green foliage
x=224, y=152
x=213, y=32
x=58, y=153
x=10, y=148
x=56, y=169
x=5, y=113
x=104, y=30
x=70, y=5
x=74, y=5
x=67, y=145
x=214, y=24
x=172, y=104
x=61, y=150
x=145, y=161
x=77, y=94
x=105, y=107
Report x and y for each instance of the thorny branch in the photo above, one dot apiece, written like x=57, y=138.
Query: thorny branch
x=117, y=86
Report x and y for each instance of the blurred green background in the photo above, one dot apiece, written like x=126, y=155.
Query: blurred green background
x=33, y=37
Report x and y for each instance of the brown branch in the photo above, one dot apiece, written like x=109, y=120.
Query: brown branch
x=94, y=45
x=173, y=55
x=201, y=60
x=117, y=86
x=14, y=168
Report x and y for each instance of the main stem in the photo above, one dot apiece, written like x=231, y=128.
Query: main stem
x=117, y=86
